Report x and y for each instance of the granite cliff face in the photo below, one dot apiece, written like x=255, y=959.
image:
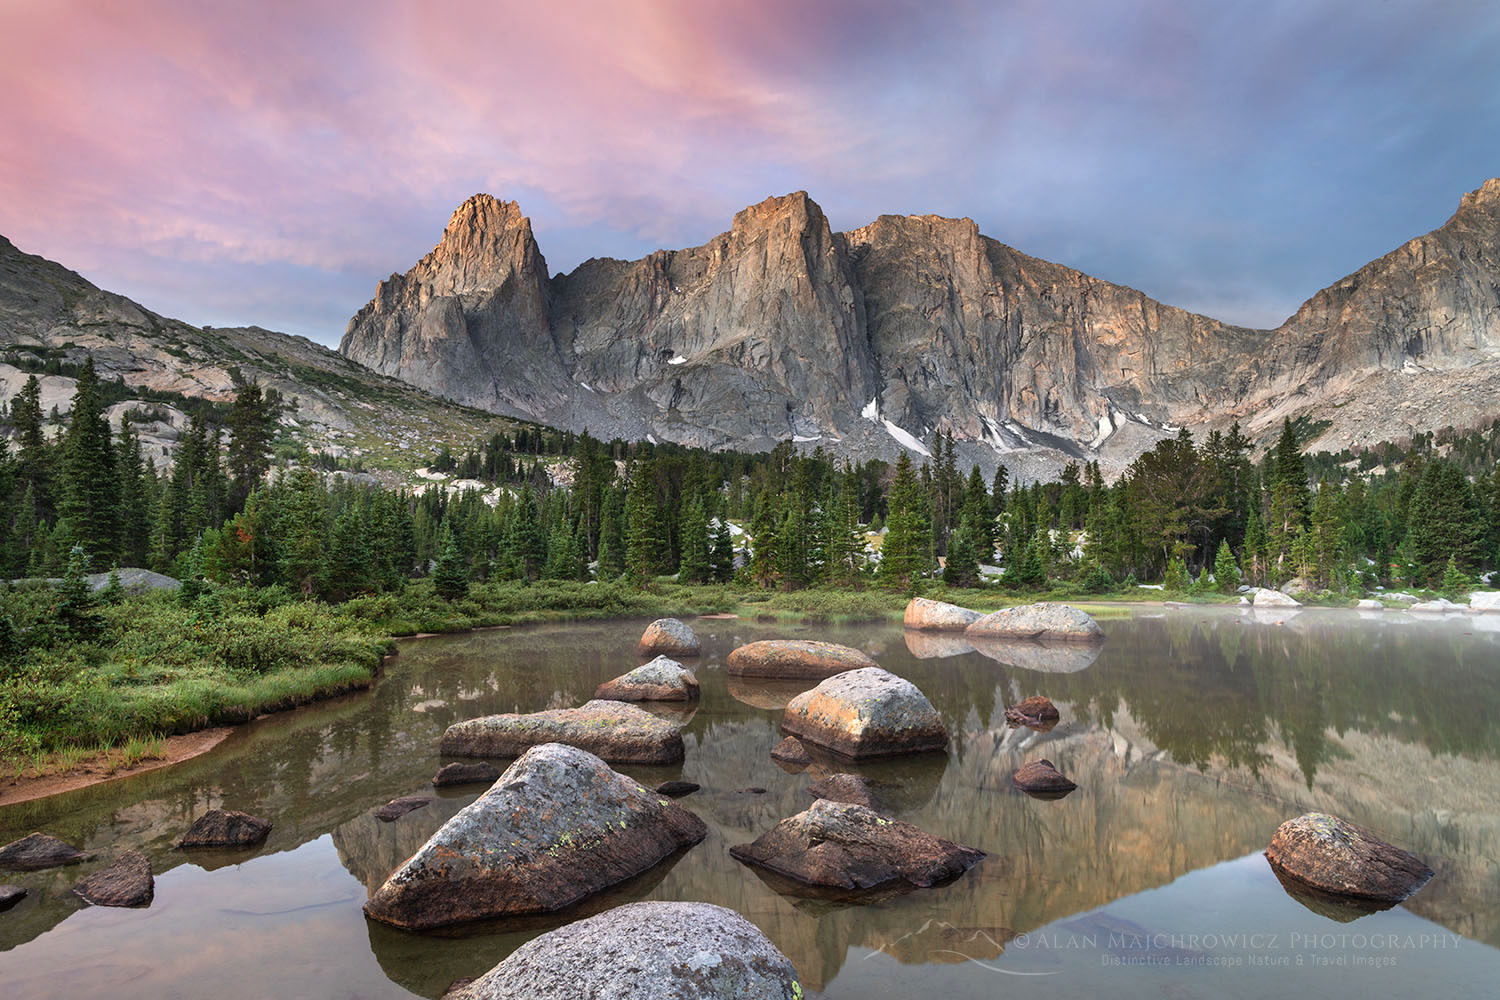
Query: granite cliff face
x=870, y=341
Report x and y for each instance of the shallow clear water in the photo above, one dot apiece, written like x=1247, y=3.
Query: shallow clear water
x=1192, y=734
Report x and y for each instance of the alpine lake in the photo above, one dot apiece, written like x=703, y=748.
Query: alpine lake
x=1192, y=733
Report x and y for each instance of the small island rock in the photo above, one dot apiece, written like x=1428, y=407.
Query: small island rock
x=466, y=773
x=10, y=895
x=615, y=731
x=840, y=845
x=1036, y=712
x=1038, y=621
x=226, y=828
x=37, y=851
x=127, y=882
x=795, y=659
x=936, y=616
x=1267, y=598
x=1041, y=777
x=1342, y=859
x=668, y=637
x=396, y=808
x=790, y=751
x=866, y=713
x=677, y=789
x=645, y=951
x=662, y=679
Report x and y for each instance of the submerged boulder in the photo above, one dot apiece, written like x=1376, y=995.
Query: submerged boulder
x=842, y=787
x=226, y=828
x=557, y=827
x=794, y=659
x=668, y=637
x=644, y=951
x=37, y=851
x=866, y=713
x=791, y=752
x=936, y=616
x=1342, y=859
x=677, y=789
x=1035, y=712
x=660, y=680
x=396, y=808
x=1038, y=621
x=840, y=845
x=126, y=882
x=1041, y=778
x=466, y=773
x=10, y=895
x=613, y=730
x=1267, y=598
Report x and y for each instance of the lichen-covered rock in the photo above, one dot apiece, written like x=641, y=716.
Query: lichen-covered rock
x=794, y=659
x=126, y=882
x=226, y=828
x=10, y=895
x=866, y=713
x=1342, y=859
x=1038, y=621
x=668, y=637
x=1041, y=777
x=936, y=616
x=557, y=827
x=791, y=752
x=396, y=808
x=841, y=845
x=1035, y=712
x=37, y=851
x=1267, y=598
x=842, y=787
x=662, y=679
x=645, y=951
x=613, y=730
x=460, y=772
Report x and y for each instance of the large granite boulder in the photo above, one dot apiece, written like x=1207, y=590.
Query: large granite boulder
x=37, y=851
x=126, y=882
x=1438, y=605
x=557, y=827
x=1267, y=598
x=1042, y=779
x=226, y=828
x=936, y=616
x=844, y=846
x=1037, y=621
x=460, y=772
x=644, y=951
x=668, y=637
x=794, y=659
x=613, y=730
x=1036, y=712
x=1342, y=859
x=866, y=713
x=1485, y=600
x=660, y=680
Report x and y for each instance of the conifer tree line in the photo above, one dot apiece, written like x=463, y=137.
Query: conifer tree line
x=576, y=508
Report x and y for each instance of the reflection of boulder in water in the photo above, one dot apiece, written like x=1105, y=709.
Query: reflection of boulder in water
x=1340, y=908
x=678, y=713
x=1043, y=656
x=761, y=692
x=904, y=784
x=936, y=645
x=370, y=850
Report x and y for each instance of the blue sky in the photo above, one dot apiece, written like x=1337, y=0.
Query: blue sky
x=234, y=164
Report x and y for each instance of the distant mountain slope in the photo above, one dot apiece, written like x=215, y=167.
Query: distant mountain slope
x=870, y=341
x=48, y=312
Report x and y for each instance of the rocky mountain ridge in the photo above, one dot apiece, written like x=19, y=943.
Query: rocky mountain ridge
x=871, y=341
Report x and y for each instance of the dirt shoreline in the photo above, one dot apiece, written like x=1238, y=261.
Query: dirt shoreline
x=179, y=748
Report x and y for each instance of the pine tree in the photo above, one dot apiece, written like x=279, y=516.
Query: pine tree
x=450, y=575
x=252, y=423
x=34, y=462
x=722, y=558
x=611, y=536
x=903, y=554
x=77, y=607
x=764, y=529
x=527, y=540
x=90, y=498
x=693, y=539
x=1254, y=550
x=1176, y=579
x=962, y=566
x=113, y=593
x=1455, y=581
x=135, y=499
x=1290, y=497
x=192, y=578
x=1226, y=573
x=1443, y=521
x=645, y=538
x=301, y=530
x=791, y=544
x=981, y=517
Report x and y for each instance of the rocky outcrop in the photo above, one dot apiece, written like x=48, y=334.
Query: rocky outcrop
x=1040, y=778
x=37, y=851
x=396, y=808
x=226, y=828
x=1267, y=598
x=866, y=713
x=1341, y=859
x=1055, y=622
x=644, y=951
x=791, y=754
x=613, y=730
x=668, y=637
x=794, y=659
x=843, y=846
x=936, y=616
x=1036, y=712
x=558, y=826
x=660, y=680
x=126, y=882
x=465, y=773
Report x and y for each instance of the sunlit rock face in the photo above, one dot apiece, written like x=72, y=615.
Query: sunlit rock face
x=869, y=342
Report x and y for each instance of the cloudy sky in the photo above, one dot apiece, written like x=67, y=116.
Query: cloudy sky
x=233, y=163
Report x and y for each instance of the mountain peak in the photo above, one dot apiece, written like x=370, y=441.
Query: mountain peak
x=1487, y=195
x=796, y=205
